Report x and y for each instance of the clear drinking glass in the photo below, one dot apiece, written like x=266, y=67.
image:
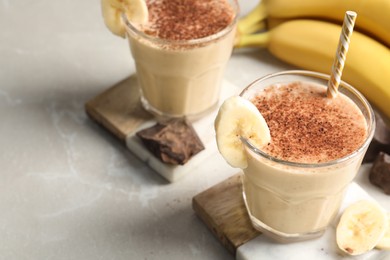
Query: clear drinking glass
x=181, y=78
x=291, y=201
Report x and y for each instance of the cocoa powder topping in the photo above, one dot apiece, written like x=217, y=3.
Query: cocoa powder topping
x=308, y=127
x=187, y=19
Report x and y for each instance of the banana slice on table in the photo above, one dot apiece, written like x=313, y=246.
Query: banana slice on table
x=362, y=225
x=384, y=243
x=238, y=117
x=135, y=10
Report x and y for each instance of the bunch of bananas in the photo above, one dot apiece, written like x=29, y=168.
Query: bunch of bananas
x=306, y=34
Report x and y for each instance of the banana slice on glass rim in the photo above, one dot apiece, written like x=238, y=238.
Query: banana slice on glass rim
x=362, y=226
x=112, y=10
x=238, y=117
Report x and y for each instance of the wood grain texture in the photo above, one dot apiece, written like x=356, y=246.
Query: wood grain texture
x=119, y=108
x=222, y=209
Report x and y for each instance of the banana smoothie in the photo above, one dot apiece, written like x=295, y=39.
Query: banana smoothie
x=309, y=150
x=181, y=53
x=305, y=128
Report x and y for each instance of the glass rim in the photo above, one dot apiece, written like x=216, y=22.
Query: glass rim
x=202, y=40
x=349, y=88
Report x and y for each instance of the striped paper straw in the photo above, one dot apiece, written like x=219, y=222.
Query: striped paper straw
x=341, y=53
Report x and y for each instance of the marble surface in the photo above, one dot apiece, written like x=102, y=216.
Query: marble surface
x=69, y=189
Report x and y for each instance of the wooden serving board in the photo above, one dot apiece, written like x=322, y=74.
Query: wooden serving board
x=119, y=110
x=222, y=209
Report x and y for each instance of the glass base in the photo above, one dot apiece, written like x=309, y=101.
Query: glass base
x=282, y=237
x=161, y=115
x=277, y=235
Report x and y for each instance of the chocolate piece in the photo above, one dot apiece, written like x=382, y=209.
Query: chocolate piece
x=173, y=142
x=380, y=172
x=380, y=142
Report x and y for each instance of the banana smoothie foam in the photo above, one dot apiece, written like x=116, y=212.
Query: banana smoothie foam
x=308, y=127
x=178, y=74
x=187, y=20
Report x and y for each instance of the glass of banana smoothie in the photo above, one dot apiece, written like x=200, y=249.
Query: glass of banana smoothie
x=293, y=185
x=181, y=53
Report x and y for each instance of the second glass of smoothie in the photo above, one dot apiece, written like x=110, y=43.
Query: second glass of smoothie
x=293, y=187
x=181, y=54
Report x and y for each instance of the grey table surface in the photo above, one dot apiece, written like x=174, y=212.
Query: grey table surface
x=68, y=188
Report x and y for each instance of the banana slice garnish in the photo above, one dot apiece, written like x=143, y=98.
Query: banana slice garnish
x=362, y=225
x=112, y=10
x=384, y=243
x=238, y=117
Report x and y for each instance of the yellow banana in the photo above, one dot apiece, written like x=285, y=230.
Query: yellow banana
x=373, y=15
x=253, y=21
x=272, y=22
x=312, y=45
